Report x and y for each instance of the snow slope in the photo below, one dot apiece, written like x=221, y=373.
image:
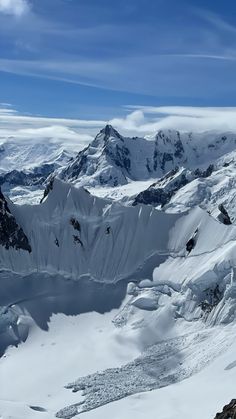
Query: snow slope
x=27, y=155
x=97, y=248
x=199, y=396
x=35, y=373
x=190, y=361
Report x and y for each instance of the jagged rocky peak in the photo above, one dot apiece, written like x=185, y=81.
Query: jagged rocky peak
x=11, y=234
x=104, y=161
x=229, y=411
x=109, y=131
x=107, y=134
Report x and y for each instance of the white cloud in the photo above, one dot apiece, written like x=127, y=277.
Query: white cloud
x=71, y=133
x=4, y=104
x=140, y=120
x=145, y=120
x=14, y=7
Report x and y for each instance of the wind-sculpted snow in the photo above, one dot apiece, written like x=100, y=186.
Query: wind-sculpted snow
x=78, y=235
x=162, y=364
x=114, y=241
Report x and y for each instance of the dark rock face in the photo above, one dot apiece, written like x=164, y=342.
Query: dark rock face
x=48, y=188
x=166, y=157
x=155, y=195
x=179, y=148
x=162, y=158
x=191, y=243
x=205, y=173
x=160, y=195
x=224, y=217
x=36, y=177
x=78, y=166
x=57, y=242
x=11, y=234
x=109, y=131
x=75, y=223
x=120, y=156
x=229, y=411
x=212, y=296
x=78, y=240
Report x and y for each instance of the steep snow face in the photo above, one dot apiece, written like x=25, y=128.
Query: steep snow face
x=112, y=159
x=77, y=234
x=80, y=236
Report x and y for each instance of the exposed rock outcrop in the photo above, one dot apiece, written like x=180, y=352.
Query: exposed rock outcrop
x=192, y=242
x=224, y=217
x=229, y=411
x=11, y=234
x=48, y=188
x=161, y=192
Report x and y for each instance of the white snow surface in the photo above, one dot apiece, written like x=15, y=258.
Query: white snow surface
x=166, y=347
x=34, y=374
x=167, y=332
x=26, y=155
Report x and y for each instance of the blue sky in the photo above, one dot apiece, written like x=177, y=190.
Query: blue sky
x=91, y=58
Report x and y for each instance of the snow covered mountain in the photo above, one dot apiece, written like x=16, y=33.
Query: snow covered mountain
x=25, y=165
x=112, y=159
x=172, y=170
x=149, y=281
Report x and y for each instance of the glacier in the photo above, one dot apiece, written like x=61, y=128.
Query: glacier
x=117, y=291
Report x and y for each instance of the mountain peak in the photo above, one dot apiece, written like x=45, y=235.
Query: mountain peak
x=109, y=131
